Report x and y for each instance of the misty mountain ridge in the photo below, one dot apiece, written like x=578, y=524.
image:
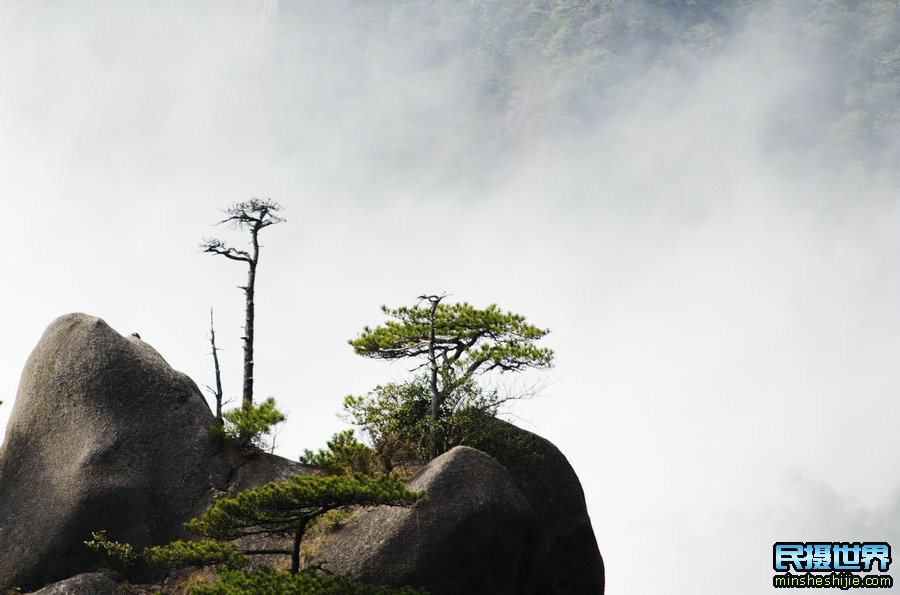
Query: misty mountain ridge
x=480, y=81
x=381, y=96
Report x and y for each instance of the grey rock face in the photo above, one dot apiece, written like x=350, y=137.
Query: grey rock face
x=553, y=490
x=104, y=434
x=568, y=560
x=261, y=469
x=93, y=583
x=476, y=533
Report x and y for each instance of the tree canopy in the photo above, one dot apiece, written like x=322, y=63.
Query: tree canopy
x=252, y=425
x=459, y=339
x=454, y=343
x=343, y=454
x=280, y=509
x=396, y=417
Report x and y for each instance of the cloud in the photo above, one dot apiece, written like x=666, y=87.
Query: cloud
x=687, y=207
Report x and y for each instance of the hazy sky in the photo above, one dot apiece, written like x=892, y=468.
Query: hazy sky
x=726, y=328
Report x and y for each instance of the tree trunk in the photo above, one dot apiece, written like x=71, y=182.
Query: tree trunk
x=215, y=354
x=247, y=400
x=435, y=393
x=295, y=554
x=249, y=292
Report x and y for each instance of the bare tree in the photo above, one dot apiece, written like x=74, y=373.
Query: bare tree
x=254, y=216
x=217, y=392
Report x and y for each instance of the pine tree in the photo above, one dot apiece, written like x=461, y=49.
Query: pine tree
x=455, y=342
x=278, y=509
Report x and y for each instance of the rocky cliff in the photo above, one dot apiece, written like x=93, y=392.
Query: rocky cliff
x=104, y=434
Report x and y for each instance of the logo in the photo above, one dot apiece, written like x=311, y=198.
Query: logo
x=844, y=565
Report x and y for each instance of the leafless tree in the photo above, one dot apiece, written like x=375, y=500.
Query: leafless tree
x=217, y=392
x=254, y=216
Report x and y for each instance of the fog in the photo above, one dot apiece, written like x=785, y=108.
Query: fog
x=718, y=269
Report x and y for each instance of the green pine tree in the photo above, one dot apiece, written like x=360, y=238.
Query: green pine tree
x=277, y=509
x=455, y=343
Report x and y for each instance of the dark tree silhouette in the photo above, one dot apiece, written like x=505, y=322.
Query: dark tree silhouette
x=253, y=215
x=217, y=393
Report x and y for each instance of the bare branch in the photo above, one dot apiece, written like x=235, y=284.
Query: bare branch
x=431, y=299
x=215, y=246
x=275, y=431
x=253, y=214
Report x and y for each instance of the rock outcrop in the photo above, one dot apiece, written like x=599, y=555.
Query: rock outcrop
x=104, y=434
x=468, y=530
x=475, y=533
x=553, y=490
x=92, y=583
